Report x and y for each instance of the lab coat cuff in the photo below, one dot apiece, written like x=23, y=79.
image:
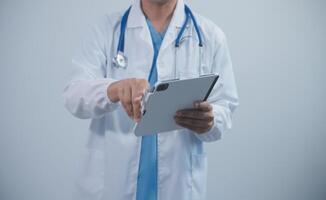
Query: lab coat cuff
x=110, y=104
x=209, y=136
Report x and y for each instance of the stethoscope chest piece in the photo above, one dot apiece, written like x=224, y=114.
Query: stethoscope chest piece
x=120, y=60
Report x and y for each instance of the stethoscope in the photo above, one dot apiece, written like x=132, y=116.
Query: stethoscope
x=120, y=60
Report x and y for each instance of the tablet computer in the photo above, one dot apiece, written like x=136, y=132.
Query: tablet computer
x=161, y=102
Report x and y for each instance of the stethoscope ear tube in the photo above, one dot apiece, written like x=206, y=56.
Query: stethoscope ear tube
x=178, y=39
x=195, y=25
x=190, y=15
x=123, y=25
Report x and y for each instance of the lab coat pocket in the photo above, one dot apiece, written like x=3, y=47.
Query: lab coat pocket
x=91, y=180
x=198, y=174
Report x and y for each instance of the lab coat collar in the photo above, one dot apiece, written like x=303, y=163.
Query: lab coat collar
x=137, y=18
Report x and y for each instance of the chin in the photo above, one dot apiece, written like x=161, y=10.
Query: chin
x=160, y=1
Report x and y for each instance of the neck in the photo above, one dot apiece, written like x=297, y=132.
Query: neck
x=159, y=12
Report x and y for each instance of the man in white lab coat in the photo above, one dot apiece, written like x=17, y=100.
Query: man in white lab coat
x=168, y=166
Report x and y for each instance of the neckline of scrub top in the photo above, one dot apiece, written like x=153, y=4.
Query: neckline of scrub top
x=152, y=28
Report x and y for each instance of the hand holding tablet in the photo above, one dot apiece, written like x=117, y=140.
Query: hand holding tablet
x=165, y=98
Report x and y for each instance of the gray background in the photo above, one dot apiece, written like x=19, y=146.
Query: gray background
x=276, y=149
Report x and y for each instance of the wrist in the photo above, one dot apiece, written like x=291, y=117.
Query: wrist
x=112, y=92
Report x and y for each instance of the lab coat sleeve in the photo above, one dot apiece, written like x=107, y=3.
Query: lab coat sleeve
x=85, y=95
x=223, y=97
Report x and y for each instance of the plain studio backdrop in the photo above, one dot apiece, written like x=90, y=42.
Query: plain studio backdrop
x=276, y=149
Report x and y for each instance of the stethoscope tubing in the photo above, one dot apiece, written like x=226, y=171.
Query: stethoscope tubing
x=189, y=14
x=123, y=25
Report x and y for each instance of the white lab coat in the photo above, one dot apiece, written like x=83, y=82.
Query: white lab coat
x=111, y=165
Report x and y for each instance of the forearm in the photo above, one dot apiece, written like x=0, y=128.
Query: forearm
x=88, y=98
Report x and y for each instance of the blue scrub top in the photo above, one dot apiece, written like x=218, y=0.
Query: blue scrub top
x=147, y=174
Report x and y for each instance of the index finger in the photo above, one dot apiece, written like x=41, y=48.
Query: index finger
x=203, y=105
x=137, y=95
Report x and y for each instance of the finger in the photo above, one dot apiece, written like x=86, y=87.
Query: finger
x=137, y=109
x=196, y=114
x=193, y=128
x=192, y=123
x=188, y=110
x=122, y=100
x=203, y=105
x=137, y=91
x=136, y=103
x=127, y=101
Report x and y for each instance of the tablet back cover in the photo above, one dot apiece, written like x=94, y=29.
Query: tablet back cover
x=161, y=105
